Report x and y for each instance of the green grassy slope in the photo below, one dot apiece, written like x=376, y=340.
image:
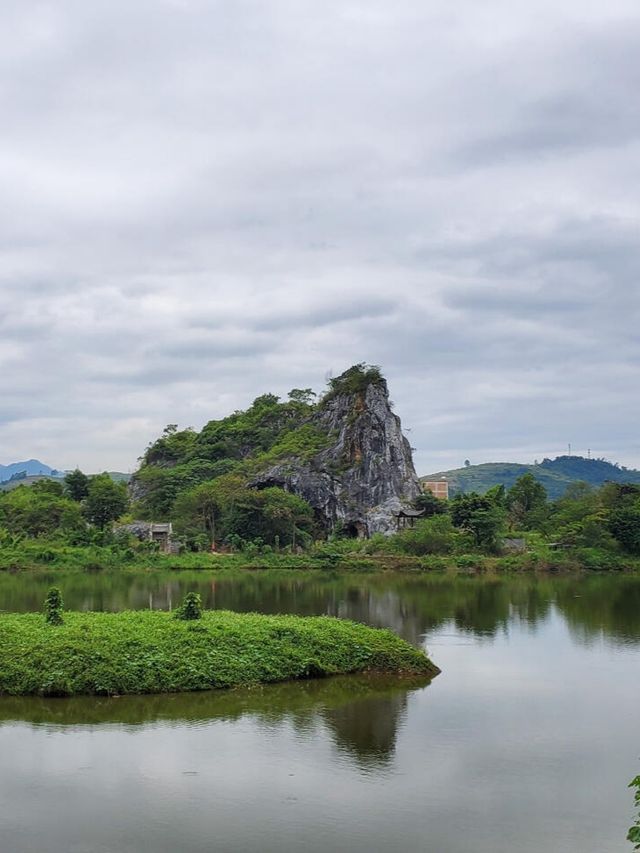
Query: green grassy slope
x=554, y=474
x=25, y=481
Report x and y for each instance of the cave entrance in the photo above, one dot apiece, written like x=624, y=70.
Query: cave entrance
x=354, y=530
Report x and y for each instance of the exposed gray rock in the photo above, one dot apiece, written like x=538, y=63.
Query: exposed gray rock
x=365, y=475
x=140, y=529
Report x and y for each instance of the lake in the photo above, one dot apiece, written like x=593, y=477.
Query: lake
x=526, y=741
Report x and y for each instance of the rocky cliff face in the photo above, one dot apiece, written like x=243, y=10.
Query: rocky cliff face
x=364, y=476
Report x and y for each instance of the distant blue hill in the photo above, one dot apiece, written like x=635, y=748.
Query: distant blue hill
x=30, y=468
x=29, y=472
x=554, y=474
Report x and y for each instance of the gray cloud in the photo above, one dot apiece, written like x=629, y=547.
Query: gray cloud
x=206, y=201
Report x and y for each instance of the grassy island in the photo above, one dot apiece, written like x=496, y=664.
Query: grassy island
x=151, y=652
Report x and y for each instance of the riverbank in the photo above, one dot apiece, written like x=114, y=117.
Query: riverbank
x=151, y=652
x=36, y=555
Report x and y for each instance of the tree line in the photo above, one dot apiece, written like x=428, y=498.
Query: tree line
x=597, y=525
x=605, y=519
x=73, y=508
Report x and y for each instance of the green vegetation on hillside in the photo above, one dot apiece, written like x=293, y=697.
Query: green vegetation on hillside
x=48, y=508
x=554, y=474
x=587, y=527
x=204, y=483
x=8, y=485
x=14, y=483
x=223, y=458
x=355, y=380
x=590, y=528
x=182, y=459
x=226, y=510
x=150, y=652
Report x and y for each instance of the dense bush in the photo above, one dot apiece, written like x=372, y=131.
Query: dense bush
x=355, y=380
x=225, y=510
x=39, y=510
x=624, y=524
x=149, y=652
x=526, y=502
x=435, y=535
x=481, y=516
x=106, y=500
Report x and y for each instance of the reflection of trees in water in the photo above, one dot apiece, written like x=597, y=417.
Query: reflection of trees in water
x=602, y=607
x=367, y=729
x=361, y=714
x=409, y=605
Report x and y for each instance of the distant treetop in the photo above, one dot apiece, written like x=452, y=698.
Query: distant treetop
x=355, y=380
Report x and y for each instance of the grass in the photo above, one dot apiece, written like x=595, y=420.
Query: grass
x=343, y=555
x=150, y=652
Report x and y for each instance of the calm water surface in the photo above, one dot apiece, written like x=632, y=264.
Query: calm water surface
x=525, y=742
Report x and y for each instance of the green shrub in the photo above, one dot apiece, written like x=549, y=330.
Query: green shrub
x=191, y=607
x=597, y=559
x=355, y=380
x=337, y=544
x=433, y=563
x=328, y=558
x=53, y=606
x=467, y=561
x=378, y=543
x=45, y=556
x=435, y=535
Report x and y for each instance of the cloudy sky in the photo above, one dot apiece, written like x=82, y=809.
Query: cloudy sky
x=204, y=201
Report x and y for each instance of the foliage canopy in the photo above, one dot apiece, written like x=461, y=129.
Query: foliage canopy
x=355, y=380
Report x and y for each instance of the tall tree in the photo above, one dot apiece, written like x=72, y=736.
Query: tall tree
x=527, y=502
x=430, y=504
x=481, y=516
x=76, y=485
x=106, y=500
x=197, y=511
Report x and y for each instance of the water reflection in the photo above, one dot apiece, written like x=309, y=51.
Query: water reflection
x=524, y=743
x=413, y=606
x=361, y=714
x=367, y=729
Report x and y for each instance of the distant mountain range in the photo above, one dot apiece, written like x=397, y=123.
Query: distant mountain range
x=30, y=468
x=26, y=473
x=554, y=474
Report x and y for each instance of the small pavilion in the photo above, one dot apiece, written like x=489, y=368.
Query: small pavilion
x=407, y=517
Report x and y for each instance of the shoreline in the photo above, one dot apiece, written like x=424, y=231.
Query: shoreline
x=104, y=560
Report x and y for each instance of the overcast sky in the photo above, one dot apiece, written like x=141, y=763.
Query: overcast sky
x=204, y=201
